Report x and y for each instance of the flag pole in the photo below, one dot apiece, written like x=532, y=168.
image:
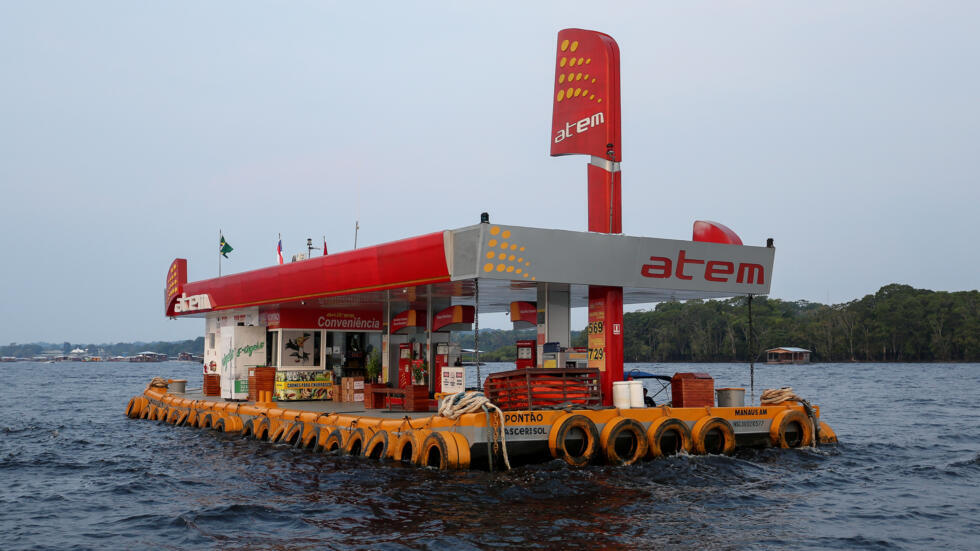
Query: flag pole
x=219, y=251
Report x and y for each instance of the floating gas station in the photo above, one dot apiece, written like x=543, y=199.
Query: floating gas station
x=352, y=352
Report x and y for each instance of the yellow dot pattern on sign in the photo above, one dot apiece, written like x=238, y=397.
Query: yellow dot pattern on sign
x=502, y=260
x=567, y=59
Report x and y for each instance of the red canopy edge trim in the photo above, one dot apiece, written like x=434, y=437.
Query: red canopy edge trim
x=335, y=293
x=407, y=262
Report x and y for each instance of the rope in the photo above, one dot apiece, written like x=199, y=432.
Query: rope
x=157, y=382
x=461, y=403
x=775, y=396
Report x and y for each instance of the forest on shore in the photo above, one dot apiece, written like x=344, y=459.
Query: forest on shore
x=898, y=323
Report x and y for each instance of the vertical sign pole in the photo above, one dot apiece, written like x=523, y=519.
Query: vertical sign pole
x=605, y=303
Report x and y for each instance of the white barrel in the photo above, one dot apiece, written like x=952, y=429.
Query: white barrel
x=636, y=394
x=621, y=394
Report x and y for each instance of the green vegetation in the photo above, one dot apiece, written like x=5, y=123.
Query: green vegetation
x=896, y=324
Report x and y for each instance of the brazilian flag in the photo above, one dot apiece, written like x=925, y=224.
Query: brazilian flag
x=224, y=248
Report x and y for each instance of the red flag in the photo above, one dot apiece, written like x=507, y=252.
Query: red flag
x=324, y=246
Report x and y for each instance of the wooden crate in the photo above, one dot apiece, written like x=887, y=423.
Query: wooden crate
x=212, y=384
x=538, y=387
x=260, y=378
x=692, y=390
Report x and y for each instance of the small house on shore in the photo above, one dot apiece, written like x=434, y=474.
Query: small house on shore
x=787, y=355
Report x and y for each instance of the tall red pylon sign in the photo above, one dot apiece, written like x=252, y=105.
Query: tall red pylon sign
x=586, y=121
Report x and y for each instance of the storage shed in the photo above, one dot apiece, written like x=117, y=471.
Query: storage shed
x=787, y=355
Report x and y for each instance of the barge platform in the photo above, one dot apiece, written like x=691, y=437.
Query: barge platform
x=323, y=327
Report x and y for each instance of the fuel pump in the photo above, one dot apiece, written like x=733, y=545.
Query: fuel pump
x=405, y=357
x=441, y=361
x=527, y=354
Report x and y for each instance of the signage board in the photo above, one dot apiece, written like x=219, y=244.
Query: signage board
x=453, y=379
x=516, y=253
x=331, y=320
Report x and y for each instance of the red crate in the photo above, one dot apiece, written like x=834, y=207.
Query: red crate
x=260, y=378
x=692, y=390
x=212, y=384
x=536, y=387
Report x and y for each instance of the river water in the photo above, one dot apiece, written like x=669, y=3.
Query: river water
x=75, y=473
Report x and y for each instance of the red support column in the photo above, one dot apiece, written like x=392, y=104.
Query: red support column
x=605, y=303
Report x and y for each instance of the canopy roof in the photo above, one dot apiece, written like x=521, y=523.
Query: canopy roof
x=507, y=262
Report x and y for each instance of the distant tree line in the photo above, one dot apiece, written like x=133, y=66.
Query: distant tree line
x=193, y=346
x=896, y=324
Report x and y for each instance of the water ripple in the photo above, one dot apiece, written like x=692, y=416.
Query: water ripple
x=82, y=476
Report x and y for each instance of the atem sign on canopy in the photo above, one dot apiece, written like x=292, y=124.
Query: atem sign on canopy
x=538, y=255
x=193, y=303
x=714, y=270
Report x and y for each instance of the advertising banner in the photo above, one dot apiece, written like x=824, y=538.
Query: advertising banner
x=331, y=320
x=298, y=350
x=241, y=348
x=304, y=385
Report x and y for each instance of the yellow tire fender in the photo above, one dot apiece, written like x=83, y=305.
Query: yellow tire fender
x=335, y=441
x=706, y=434
x=379, y=446
x=667, y=436
x=408, y=447
x=610, y=435
x=558, y=439
x=791, y=429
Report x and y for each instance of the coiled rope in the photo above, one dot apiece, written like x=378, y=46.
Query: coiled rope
x=775, y=396
x=461, y=403
x=157, y=382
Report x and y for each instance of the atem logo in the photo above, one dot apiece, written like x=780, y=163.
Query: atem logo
x=579, y=127
x=714, y=270
x=192, y=303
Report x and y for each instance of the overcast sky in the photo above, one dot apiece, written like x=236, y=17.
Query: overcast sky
x=130, y=132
